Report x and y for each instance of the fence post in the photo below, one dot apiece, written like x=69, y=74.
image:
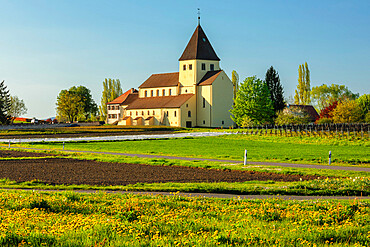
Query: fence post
x=9, y=144
x=329, y=157
x=245, y=157
x=63, y=145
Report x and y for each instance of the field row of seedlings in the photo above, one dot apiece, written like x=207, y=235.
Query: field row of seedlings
x=70, y=219
x=321, y=130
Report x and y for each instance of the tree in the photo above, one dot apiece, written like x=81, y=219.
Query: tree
x=89, y=106
x=17, y=107
x=252, y=103
x=347, y=111
x=235, y=81
x=303, y=92
x=4, y=104
x=364, y=104
x=324, y=95
x=111, y=90
x=69, y=105
x=276, y=89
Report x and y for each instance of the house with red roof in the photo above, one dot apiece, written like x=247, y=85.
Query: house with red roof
x=200, y=94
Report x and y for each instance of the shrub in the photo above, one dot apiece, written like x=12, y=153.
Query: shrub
x=324, y=120
x=364, y=104
x=327, y=112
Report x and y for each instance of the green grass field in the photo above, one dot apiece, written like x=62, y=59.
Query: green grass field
x=260, y=148
x=70, y=219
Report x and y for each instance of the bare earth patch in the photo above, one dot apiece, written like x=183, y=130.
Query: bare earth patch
x=72, y=171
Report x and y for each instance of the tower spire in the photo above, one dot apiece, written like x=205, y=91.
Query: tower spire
x=198, y=16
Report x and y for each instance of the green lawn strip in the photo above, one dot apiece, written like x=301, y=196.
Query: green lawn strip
x=260, y=148
x=330, y=187
x=104, y=219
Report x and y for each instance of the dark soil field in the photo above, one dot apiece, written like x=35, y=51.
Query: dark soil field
x=73, y=171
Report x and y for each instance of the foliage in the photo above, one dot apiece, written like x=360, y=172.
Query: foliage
x=324, y=120
x=292, y=115
x=347, y=112
x=235, y=81
x=327, y=112
x=253, y=101
x=69, y=105
x=325, y=95
x=272, y=81
x=103, y=219
x=367, y=118
x=89, y=107
x=364, y=103
x=4, y=104
x=111, y=90
x=17, y=107
x=303, y=92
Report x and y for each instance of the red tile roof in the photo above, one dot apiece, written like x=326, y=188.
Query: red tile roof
x=199, y=47
x=209, y=78
x=126, y=98
x=161, y=80
x=160, y=102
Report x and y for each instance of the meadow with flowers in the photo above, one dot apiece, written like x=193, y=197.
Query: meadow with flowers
x=30, y=218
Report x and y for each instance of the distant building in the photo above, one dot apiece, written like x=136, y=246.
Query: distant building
x=200, y=94
x=306, y=109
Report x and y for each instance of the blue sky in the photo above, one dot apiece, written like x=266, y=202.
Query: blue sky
x=50, y=45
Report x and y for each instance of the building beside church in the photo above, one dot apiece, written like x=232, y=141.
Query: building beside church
x=200, y=94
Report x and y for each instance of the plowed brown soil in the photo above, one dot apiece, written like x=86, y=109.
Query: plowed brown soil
x=72, y=171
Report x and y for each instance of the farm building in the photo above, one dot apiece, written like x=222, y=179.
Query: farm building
x=200, y=94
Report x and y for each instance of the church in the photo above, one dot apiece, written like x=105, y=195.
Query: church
x=200, y=94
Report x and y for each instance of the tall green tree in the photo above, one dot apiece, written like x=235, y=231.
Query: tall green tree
x=4, y=104
x=253, y=104
x=303, y=92
x=111, y=90
x=272, y=81
x=90, y=108
x=69, y=105
x=235, y=81
x=364, y=104
x=324, y=95
x=17, y=107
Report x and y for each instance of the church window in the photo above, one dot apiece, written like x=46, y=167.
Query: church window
x=189, y=113
x=190, y=66
x=169, y=92
x=174, y=113
x=136, y=113
x=108, y=107
x=186, y=90
x=204, y=121
x=157, y=92
x=203, y=66
x=117, y=107
x=164, y=92
x=148, y=113
x=130, y=113
x=184, y=67
x=153, y=112
x=204, y=103
x=187, y=105
x=222, y=122
x=151, y=93
x=212, y=67
x=142, y=113
x=145, y=93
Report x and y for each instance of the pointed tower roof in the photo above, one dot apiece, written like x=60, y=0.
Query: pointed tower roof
x=199, y=47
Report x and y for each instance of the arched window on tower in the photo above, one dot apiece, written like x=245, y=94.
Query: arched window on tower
x=189, y=113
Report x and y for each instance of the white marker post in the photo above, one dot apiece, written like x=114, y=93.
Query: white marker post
x=329, y=157
x=9, y=143
x=63, y=145
x=245, y=157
